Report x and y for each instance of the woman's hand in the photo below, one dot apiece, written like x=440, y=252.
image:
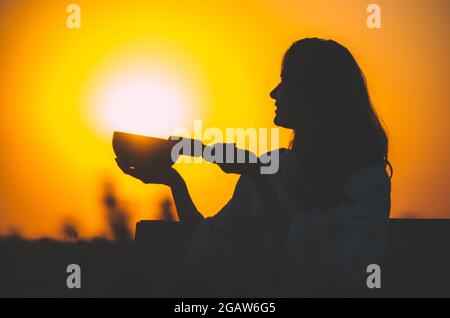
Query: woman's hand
x=149, y=175
x=187, y=212
x=240, y=161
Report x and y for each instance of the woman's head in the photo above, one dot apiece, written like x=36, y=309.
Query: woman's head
x=323, y=97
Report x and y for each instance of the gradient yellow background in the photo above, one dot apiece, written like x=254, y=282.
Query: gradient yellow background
x=55, y=156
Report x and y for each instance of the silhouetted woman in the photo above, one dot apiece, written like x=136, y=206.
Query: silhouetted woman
x=314, y=226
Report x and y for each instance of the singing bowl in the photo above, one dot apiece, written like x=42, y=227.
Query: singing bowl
x=143, y=150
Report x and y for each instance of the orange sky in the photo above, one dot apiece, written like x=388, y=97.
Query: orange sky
x=218, y=61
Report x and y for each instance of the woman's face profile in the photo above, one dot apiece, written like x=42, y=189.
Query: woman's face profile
x=282, y=114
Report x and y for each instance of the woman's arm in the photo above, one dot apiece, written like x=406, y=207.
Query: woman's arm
x=186, y=209
x=274, y=213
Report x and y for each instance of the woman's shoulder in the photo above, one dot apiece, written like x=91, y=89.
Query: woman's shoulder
x=370, y=175
x=371, y=179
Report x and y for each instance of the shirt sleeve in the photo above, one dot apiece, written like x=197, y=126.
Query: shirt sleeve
x=210, y=252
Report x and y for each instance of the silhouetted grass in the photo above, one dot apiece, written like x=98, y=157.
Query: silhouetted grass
x=38, y=268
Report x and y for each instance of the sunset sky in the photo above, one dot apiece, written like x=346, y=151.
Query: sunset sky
x=62, y=93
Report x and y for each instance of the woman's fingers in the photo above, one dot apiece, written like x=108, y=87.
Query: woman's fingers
x=122, y=165
x=144, y=174
x=127, y=169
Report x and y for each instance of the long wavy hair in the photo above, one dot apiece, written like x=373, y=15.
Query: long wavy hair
x=336, y=129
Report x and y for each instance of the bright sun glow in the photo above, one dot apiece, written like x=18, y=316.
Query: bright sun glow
x=142, y=101
x=150, y=93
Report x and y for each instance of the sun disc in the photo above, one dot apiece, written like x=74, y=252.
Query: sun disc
x=141, y=100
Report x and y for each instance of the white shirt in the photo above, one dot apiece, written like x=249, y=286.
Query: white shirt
x=323, y=252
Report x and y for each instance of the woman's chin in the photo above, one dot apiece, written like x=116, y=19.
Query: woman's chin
x=278, y=121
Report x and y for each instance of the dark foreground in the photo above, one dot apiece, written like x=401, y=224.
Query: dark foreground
x=417, y=264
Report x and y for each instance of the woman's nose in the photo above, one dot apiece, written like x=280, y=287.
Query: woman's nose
x=274, y=92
